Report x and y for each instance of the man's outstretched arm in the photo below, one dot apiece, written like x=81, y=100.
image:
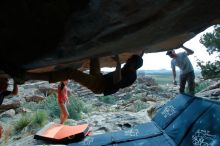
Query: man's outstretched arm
x=117, y=73
x=189, y=51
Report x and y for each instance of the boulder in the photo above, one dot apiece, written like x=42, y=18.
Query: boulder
x=10, y=105
x=34, y=98
x=45, y=36
x=209, y=93
x=9, y=113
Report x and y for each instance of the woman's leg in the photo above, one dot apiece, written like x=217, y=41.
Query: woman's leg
x=63, y=113
x=1, y=130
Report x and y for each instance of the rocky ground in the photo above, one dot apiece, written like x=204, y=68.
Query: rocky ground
x=134, y=105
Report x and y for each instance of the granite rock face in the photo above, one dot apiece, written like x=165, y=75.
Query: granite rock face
x=47, y=35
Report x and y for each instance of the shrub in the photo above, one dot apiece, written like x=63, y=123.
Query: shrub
x=127, y=96
x=211, y=41
x=75, y=107
x=136, y=96
x=50, y=105
x=23, y=122
x=39, y=118
x=209, y=70
x=107, y=99
x=139, y=105
x=87, y=108
x=201, y=86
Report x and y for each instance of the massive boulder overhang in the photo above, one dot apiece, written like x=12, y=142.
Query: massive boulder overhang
x=47, y=35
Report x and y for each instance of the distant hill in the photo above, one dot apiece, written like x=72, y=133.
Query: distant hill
x=154, y=72
x=160, y=72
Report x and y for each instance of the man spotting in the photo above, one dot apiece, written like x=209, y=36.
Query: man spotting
x=186, y=69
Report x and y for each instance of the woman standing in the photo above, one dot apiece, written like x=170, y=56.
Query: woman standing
x=62, y=101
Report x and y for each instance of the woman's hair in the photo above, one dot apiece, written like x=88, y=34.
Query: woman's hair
x=62, y=85
x=135, y=60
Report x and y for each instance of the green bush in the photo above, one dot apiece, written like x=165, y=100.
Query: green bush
x=136, y=96
x=209, y=70
x=51, y=105
x=211, y=41
x=39, y=118
x=23, y=122
x=201, y=86
x=87, y=108
x=107, y=99
x=127, y=96
x=139, y=105
x=75, y=108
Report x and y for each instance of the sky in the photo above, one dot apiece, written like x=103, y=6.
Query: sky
x=158, y=61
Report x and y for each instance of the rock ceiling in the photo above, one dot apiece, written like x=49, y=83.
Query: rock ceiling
x=47, y=35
